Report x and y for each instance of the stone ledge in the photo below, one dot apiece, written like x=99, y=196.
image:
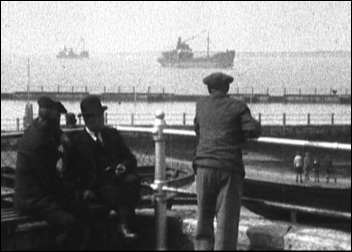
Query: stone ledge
x=282, y=236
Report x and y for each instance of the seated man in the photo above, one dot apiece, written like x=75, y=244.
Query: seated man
x=39, y=190
x=102, y=167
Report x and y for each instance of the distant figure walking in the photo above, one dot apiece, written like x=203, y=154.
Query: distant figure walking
x=316, y=167
x=298, y=166
x=307, y=165
x=330, y=170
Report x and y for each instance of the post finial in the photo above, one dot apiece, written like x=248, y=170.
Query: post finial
x=159, y=114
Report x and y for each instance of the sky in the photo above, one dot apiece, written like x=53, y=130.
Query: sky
x=112, y=27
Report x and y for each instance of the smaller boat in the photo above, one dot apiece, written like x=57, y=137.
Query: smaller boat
x=183, y=57
x=69, y=53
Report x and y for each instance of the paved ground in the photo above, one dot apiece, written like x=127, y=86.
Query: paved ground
x=257, y=232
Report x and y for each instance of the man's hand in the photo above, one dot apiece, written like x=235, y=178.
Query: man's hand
x=88, y=195
x=120, y=169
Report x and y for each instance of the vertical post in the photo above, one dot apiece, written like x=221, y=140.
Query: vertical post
x=73, y=89
x=106, y=118
x=28, y=112
x=332, y=119
x=284, y=119
x=79, y=120
x=29, y=78
x=132, y=119
x=252, y=93
x=28, y=115
x=134, y=97
x=260, y=118
x=104, y=89
x=284, y=91
x=184, y=118
x=159, y=181
x=42, y=89
x=308, y=119
x=18, y=124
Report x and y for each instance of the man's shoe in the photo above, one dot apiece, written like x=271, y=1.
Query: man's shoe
x=126, y=233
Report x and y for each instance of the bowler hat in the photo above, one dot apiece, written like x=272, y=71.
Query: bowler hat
x=217, y=79
x=46, y=103
x=91, y=105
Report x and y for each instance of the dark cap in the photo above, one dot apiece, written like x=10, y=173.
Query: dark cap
x=71, y=118
x=46, y=102
x=91, y=105
x=217, y=79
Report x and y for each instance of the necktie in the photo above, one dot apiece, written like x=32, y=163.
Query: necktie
x=99, y=142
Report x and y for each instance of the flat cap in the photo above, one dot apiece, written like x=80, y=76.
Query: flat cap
x=217, y=79
x=46, y=102
x=71, y=118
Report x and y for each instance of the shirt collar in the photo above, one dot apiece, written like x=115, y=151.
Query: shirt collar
x=91, y=133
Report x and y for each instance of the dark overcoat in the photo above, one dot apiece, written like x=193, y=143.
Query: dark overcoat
x=38, y=185
x=82, y=168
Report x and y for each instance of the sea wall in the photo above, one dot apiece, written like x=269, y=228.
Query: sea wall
x=170, y=97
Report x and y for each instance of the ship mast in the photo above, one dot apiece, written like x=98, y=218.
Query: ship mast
x=29, y=77
x=208, y=46
x=9, y=25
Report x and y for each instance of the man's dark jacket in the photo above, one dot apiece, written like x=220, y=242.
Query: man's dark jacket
x=222, y=125
x=82, y=168
x=38, y=185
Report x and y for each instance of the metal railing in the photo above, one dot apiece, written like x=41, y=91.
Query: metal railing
x=154, y=146
x=186, y=119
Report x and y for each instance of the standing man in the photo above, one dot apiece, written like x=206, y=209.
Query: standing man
x=330, y=169
x=39, y=190
x=102, y=167
x=298, y=166
x=222, y=124
x=316, y=168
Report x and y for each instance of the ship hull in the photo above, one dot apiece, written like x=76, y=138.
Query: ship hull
x=220, y=60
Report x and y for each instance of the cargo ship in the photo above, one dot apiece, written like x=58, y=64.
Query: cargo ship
x=184, y=57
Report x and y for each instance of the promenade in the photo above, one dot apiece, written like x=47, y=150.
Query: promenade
x=258, y=232
x=263, y=162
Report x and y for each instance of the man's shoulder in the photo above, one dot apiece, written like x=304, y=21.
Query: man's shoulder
x=79, y=136
x=110, y=130
x=202, y=100
x=236, y=102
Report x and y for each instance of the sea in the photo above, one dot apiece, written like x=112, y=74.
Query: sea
x=273, y=73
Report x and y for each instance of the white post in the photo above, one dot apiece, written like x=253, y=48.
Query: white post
x=159, y=181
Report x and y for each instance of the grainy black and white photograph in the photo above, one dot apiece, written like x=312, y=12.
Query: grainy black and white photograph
x=172, y=125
